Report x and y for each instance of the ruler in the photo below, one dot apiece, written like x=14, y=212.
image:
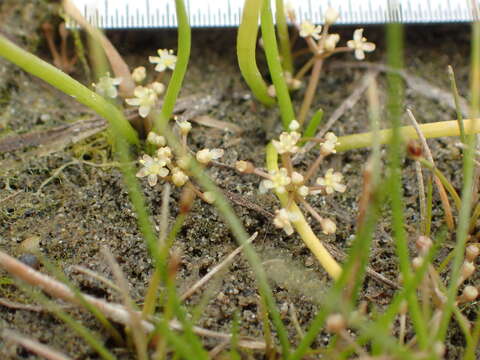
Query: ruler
x=137, y=14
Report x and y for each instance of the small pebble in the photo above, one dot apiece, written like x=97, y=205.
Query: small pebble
x=30, y=260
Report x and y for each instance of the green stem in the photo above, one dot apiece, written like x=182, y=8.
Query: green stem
x=57, y=78
x=283, y=37
x=276, y=71
x=301, y=225
x=246, y=51
x=431, y=130
x=183, y=55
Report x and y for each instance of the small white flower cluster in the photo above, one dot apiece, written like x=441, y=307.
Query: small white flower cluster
x=165, y=166
x=145, y=97
x=325, y=44
x=286, y=180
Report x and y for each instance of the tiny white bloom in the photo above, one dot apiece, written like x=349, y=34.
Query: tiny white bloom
x=283, y=219
x=332, y=182
x=331, y=42
x=206, y=155
x=184, y=126
x=328, y=146
x=145, y=99
x=328, y=226
x=294, y=125
x=278, y=181
x=360, y=44
x=179, y=178
x=155, y=139
x=297, y=178
x=309, y=29
x=165, y=60
x=139, y=74
x=287, y=142
x=106, y=86
x=158, y=87
x=152, y=168
x=303, y=191
x=165, y=154
x=331, y=15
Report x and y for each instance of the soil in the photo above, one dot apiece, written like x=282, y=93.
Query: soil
x=85, y=208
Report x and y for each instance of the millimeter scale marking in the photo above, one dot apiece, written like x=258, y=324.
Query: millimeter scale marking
x=141, y=14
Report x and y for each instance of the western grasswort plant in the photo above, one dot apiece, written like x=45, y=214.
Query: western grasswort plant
x=163, y=327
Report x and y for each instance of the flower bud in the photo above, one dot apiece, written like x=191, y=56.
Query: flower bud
x=244, y=167
x=469, y=294
x=209, y=197
x=472, y=252
x=328, y=226
x=423, y=244
x=417, y=262
x=158, y=87
x=139, y=74
x=335, y=323
x=155, y=139
x=331, y=15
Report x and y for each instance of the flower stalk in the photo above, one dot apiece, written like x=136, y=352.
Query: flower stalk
x=301, y=225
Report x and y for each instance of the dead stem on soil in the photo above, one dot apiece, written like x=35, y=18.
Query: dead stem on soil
x=34, y=346
x=113, y=311
x=441, y=189
x=224, y=263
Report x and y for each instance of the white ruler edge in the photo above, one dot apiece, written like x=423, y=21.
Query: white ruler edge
x=128, y=14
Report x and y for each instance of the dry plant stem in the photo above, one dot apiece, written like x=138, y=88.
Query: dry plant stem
x=34, y=346
x=313, y=168
x=227, y=261
x=421, y=197
x=310, y=92
x=96, y=276
x=346, y=105
x=19, y=306
x=441, y=190
x=119, y=67
x=113, y=311
x=296, y=323
x=135, y=317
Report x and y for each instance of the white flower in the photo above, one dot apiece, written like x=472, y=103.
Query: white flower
x=152, y=168
x=294, y=125
x=328, y=226
x=303, y=191
x=293, y=83
x=278, y=181
x=328, y=146
x=297, y=178
x=360, y=44
x=184, y=126
x=107, y=86
x=283, y=220
x=155, y=139
x=331, y=41
x=287, y=142
x=331, y=15
x=139, y=74
x=332, y=182
x=145, y=99
x=165, y=60
x=158, y=87
x=206, y=155
x=308, y=29
x=179, y=178
x=165, y=154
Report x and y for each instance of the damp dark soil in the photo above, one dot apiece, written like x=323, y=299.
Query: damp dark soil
x=83, y=208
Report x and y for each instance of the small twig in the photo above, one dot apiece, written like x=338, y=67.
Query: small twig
x=135, y=317
x=347, y=104
x=225, y=262
x=113, y=311
x=96, y=276
x=295, y=322
x=422, y=199
x=438, y=183
x=34, y=346
x=18, y=306
x=8, y=197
